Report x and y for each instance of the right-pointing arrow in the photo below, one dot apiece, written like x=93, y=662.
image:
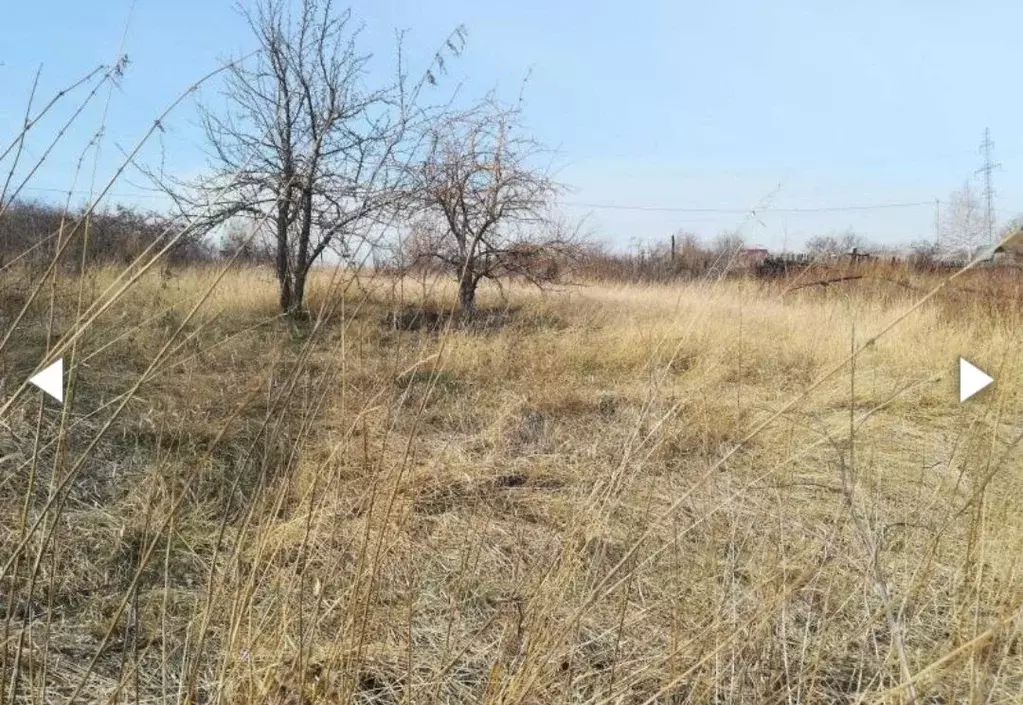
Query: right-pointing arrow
x=972, y=379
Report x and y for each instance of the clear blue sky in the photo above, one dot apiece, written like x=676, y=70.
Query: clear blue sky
x=674, y=104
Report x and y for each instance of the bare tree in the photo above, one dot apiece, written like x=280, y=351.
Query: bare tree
x=245, y=241
x=725, y=251
x=962, y=224
x=823, y=246
x=491, y=202
x=728, y=243
x=924, y=254
x=413, y=250
x=304, y=146
x=837, y=244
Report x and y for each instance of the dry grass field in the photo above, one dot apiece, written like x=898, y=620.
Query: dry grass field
x=601, y=493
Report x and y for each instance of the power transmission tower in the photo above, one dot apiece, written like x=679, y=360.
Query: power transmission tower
x=989, y=194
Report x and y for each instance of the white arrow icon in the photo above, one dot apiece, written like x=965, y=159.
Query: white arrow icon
x=51, y=380
x=972, y=379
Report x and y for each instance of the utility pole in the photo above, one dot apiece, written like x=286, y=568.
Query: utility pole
x=989, y=194
x=937, y=223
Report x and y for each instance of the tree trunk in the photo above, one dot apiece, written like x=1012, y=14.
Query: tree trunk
x=467, y=295
x=281, y=264
x=284, y=283
x=297, y=309
x=298, y=273
x=286, y=297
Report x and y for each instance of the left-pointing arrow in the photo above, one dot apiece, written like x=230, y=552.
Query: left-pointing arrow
x=51, y=380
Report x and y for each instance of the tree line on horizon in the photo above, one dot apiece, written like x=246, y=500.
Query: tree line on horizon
x=117, y=235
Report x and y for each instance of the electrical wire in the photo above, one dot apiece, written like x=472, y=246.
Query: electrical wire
x=740, y=211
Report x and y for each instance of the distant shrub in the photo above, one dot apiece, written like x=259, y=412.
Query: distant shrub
x=649, y=263
x=30, y=231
